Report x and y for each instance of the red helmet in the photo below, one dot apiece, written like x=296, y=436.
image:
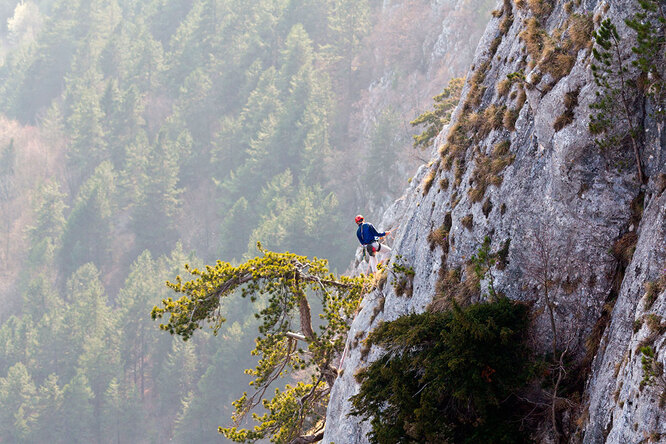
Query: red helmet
x=358, y=219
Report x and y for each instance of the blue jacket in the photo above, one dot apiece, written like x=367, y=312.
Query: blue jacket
x=367, y=234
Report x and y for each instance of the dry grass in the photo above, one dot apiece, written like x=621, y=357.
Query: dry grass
x=580, y=31
x=473, y=121
x=544, y=49
x=474, y=97
x=520, y=101
x=655, y=323
x=450, y=288
x=498, y=165
x=520, y=3
x=556, y=33
x=446, y=287
x=501, y=149
x=477, y=192
x=497, y=13
x=487, y=207
x=428, y=180
x=404, y=286
x=494, y=45
x=439, y=237
x=570, y=285
x=476, y=90
x=480, y=177
x=567, y=117
x=509, y=119
x=557, y=63
x=488, y=169
x=379, y=279
x=471, y=284
x=568, y=7
x=533, y=36
x=534, y=80
x=376, y=310
x=571, y=99
x=480, y=73
x=456, y=144
x=448, y=161
x=492, y=119
x=506, y=23
x=458, y=171
x=503, y=87
x=653, y=289
x=496, y=180
x=444, y=184
x=540, y=8
x=455, y=200
x=624, y=248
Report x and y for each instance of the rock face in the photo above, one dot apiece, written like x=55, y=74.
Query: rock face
x=621, y=408
x=557, y=209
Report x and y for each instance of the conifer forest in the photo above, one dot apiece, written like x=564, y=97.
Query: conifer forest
x=137, y=136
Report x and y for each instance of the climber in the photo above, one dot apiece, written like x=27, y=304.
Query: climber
x=369, y=237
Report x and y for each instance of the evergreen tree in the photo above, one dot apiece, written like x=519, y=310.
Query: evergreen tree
x=49, y=219
x=77, y=413
x=177, y=377
x=53, y=354
x=138, y=341
x=40, y=296
x=100, y=363
x=49, y=410
x=164, y=16
x=189, y=43
x=17, y=342
x=42, y=76
x=285, y=280
x=7, y=168
x=233, y=140
x=17, y=397
x=210, y=404
x=348, y=23
x=123, y=120
x=84, y=122
x=38, y=280
x=122, y=415
x=157, y=201
x=87, y=318
x=8, y=193
x=307, y=221
x=87, y=235
x=104, y=17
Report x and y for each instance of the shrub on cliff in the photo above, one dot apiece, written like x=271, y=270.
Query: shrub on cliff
x=448, y=376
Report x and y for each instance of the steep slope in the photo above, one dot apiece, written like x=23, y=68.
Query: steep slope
x=518, y=164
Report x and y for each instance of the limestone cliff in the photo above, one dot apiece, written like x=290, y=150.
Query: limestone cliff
x=518, y=164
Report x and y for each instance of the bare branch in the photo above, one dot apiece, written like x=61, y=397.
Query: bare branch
x=308, y=439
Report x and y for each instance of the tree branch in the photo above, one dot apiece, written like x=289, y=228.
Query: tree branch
x=308, y=439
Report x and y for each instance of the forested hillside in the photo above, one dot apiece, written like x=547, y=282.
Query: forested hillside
x=136, y=136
